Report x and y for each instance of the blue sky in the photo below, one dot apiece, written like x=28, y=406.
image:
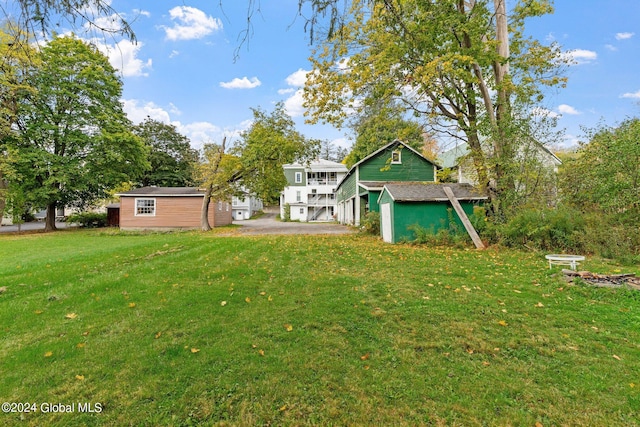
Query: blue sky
x=184, y=68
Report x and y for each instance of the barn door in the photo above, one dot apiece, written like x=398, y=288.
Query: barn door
x=385, y=222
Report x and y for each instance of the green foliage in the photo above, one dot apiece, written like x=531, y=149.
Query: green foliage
x=269, y=143
x=549, y=229
x=75, y=141
x=287, y=213
x=371, y=223
x=606, y=236
x=171, y=158
x=605, y=176
x=88, y=219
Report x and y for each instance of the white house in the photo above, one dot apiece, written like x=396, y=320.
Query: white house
x=245, y=206
x=310, y=192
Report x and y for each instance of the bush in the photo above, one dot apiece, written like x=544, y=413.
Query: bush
x=609, y=238
x=549, y=229
x=371, y=223
x=88, y=219
x=449, y=234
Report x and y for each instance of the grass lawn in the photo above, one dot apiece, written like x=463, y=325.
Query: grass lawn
x=192, y=328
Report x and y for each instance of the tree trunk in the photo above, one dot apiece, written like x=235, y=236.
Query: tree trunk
x=50, y=219
x=204, y=212
x=3, y=195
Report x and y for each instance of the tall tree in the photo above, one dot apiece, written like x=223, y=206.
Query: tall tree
x=17, y=59
x=75, y=140
x=269, y=143
x=462, y=64
x=172, y=160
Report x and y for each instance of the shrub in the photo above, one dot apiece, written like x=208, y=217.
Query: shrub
x=551, y=229
x=449, y=234
x=88, y=219
x=371, y=223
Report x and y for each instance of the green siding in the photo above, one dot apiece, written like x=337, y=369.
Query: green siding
x=347, y=188
x=429, y=215
x=412, y=168
x=290, y=174
x=373, y=201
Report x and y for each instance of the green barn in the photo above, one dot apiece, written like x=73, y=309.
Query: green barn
x=403, y=205
x=359, y=191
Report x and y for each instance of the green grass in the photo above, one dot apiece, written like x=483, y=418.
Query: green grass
x=191, y=328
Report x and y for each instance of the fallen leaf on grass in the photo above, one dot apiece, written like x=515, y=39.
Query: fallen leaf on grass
x=195, y=350
x=3, y=289
x=132, y=304
x=261, y=352
x=158, y=335
x=48, y=354
x=80, y=345
x=365, y=357
x=283, y=408
x=247, y=299
x=616, y=357
x=539, y=304
x=502, y=323
x=80, y=377
x=223, y=303
x=70, y=316
x=38, y=312
x=288, y=327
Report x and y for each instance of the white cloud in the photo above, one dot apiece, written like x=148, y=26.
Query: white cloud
x=634, y=95
x=141, y=12
x=581, y=56
x=567, y=109
x=200, y=133
x=298, y=78
x=243, y=83
x=138, y=112
x=624, y=36
x=190, y=23
x=286, y=91
x=124, y=57
x=610, y=47
x=294, y=104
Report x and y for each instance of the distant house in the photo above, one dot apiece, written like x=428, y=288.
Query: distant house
x=162, y=208
x=359, y=191
x=458, y=160
x=245, y=206
x=309, y=194
x=404, y=205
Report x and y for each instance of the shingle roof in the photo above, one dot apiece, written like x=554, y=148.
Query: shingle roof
x=165, y=191
x=421, y=192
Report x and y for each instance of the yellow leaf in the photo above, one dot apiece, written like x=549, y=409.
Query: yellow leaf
x=539, y=304
x=616, y=357
x=283, y=408
x=132, y=304
x=364, y=357
x=48, y=354
x=223, y=303
x=270, y=298
x=261, y=352
x=288, y=327
x=158, y=335
x=38, y=312
x=70, y=316
x=502, y=323
x=80, y=345
x=247, y=299
x=263, y=293
x=194, y=350
x=80, y=377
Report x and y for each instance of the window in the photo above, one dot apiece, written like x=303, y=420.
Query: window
x=301, y=211
x=298, y=177
x=145, y=207
x=396, y=157
x=298, y=196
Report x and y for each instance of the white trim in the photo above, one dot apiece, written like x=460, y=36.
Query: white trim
x=154, y=207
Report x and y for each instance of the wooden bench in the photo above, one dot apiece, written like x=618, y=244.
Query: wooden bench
x=564, y=259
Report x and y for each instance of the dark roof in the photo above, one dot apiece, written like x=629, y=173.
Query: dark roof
x=422, y=192
x=165, y=191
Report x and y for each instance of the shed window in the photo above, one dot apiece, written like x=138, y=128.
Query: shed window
x=298, y=177
x=396, y=157
x=145, y=207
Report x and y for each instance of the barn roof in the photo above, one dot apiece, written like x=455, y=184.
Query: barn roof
x=164, y=192
x=422, y=192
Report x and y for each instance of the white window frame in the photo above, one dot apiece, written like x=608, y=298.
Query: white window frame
x=145, y=209
x=299, y=196
x=298, y=177
x=398, y=160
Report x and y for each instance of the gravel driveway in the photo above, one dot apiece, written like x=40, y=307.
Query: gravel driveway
x=267, y=224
